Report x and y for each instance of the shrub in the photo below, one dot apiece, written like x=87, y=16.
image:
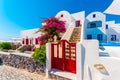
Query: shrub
x=5, y=45
x=40, y=54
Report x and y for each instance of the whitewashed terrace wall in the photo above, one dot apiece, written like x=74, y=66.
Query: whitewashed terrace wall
x=87, y=54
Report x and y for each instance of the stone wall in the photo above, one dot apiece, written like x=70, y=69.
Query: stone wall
x=22, y=62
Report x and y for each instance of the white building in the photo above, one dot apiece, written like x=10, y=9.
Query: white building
x=94, y=27
x=85, y=62
x=112, y=31
x=76, y=18
x=29, y=37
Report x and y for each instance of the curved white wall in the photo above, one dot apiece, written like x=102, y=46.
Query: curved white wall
x=99, y=16
x=66, y=17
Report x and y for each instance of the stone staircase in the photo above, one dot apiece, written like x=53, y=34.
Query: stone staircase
x=75, y=37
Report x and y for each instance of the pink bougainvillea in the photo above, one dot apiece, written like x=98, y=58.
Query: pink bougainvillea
x=52, y=27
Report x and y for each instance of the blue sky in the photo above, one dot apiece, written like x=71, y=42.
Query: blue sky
x=17, y=15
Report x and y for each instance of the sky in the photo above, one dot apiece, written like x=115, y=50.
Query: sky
x=17, y=15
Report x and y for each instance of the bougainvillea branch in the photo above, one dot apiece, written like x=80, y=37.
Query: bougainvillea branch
x=52, y=27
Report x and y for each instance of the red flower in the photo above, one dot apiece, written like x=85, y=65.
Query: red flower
x=53, y=26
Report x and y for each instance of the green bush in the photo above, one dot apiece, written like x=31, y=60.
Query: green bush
x=5, y=45
x=40, y=54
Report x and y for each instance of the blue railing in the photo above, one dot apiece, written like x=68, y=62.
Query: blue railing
x=110, y=44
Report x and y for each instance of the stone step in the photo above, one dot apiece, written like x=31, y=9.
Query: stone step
x=62, y=75
x=75, y=37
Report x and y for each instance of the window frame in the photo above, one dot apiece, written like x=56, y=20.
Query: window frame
x=77, y=23
x=106, y=26
x=100, y=37
x=97, y=24
x=94, y=16
x=113, y=37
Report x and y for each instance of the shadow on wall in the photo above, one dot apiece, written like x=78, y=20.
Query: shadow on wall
x=90, y=73
x=83, y=59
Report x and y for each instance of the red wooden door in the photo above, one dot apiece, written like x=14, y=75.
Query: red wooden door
x=36, y=41
x=27, y=41
x=57, y=59
x=70, y=57
x=64, y=56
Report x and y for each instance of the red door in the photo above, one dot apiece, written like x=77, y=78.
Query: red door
x=23, y=41
x=64, y=56
x=57, y=60
x=27, y=41
x=70, y=57
x=36, y=41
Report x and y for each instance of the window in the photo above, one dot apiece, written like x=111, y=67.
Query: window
x=78, y=23
x=113, y=37
x=94, y=15
x=106, y=26
x=89, y=36
x=99, y=37
x=92, y=25
x=36, y=41
x=61, y=15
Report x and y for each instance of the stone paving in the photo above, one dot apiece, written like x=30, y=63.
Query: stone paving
x=10, y=73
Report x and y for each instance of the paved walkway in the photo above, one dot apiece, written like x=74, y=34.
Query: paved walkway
x=10, y=73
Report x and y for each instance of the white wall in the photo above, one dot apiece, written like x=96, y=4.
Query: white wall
x=110, y=23
x=48, y=59
x=87, y=55
x=80, y=16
